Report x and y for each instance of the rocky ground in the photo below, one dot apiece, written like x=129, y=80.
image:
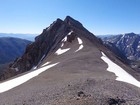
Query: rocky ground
x=80, y=78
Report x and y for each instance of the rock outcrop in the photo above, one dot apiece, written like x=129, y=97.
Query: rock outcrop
x=127, y=47
x=46, y=42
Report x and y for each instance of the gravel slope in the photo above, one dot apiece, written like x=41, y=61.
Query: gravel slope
x=80, y=78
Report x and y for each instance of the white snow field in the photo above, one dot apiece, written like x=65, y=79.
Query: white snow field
x=70, y=32
x=80, y=43
x=121, y=74
x=61, y=51
x=5, y=86
x=45, y=64
x=81, y=47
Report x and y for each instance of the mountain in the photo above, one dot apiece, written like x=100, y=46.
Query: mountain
x=104, y=36
x=21, y=36
x=11, y=48
x=68, y=65
x=46, y=42
x=129, y=45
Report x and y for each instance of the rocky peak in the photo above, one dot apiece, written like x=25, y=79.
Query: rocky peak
x=72, y=22
x=47, y=41
x=53, y=27
x=130, y=34
x=71, y=36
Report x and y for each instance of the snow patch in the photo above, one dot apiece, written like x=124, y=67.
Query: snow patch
x=138, y=46
x=16, y=69
x=81, y=46
x=62, y=44
x=70, y=32
x=128, y=46
x=61, y=51
x=41, y=59
x=121, y=74
x=80, y=41
x=65, y=39
x=35, y=67
x=45, y=64
x=5, y=86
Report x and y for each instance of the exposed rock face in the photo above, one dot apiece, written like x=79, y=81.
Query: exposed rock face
x=47, y=41
x=128, y=45
x=71, y=37
x=116, y=51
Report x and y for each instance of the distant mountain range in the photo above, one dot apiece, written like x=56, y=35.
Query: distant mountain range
x=22, y=36
x=11, y=48
x=128, y=45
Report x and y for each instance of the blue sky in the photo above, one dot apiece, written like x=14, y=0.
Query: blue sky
x=98, y=16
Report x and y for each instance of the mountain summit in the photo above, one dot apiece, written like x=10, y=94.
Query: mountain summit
x=68, y=65
x=48, y=41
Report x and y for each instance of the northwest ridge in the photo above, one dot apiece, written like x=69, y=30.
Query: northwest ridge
x=68, y=65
